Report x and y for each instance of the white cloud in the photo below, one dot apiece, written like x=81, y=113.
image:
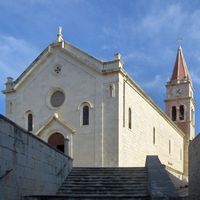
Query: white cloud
x=15, y=54
x=155, y=83
x=139, y=56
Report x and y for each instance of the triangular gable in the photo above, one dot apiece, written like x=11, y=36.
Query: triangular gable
x=55, y=118
x=71, y=50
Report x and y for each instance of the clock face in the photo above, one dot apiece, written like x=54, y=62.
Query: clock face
x=177, y=92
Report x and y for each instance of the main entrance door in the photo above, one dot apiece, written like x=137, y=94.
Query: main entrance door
x=57, y=140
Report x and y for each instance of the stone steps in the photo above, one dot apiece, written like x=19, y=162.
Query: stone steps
x=106, y=182
x=103, y=183
x=73, y=184
x=89, y=197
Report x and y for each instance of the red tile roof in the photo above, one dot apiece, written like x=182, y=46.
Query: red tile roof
x=180, y=71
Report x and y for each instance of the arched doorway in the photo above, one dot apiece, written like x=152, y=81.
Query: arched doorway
x=57, y=140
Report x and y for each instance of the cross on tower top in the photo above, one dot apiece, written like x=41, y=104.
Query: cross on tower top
x=180, y=41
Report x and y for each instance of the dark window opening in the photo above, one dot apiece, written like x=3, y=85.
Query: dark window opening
x=173, y=113
x=30, y=122
x=61, y=148
x=181, y=112
x=86, y=115
x=129, y=118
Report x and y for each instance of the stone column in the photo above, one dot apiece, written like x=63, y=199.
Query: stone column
x=66, y=146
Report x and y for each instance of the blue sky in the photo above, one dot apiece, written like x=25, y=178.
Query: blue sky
x=145, y=32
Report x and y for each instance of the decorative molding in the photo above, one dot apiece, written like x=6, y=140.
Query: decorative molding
x=85, y=102
x=58, y=119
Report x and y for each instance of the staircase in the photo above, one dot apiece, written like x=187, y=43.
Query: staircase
x=103, y=183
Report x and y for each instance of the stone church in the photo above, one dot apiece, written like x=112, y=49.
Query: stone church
x=96, y=113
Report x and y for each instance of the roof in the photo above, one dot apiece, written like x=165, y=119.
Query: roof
x=180, y=71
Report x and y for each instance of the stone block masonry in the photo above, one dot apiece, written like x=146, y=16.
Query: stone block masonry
x=194, y=168
x=28, y=165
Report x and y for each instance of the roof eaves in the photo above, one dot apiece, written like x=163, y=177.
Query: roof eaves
x=46, y=50
x=88, y=55
x=148, y=99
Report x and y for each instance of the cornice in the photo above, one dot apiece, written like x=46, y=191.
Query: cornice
x=141, y=92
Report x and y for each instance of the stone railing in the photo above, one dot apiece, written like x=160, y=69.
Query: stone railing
x=159, y=183
x=28, y=165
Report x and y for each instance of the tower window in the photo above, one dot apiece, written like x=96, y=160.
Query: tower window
x=86, y=115
x=173, y=113
x=129, y=118
x=30, y=122
x=154, y=135
x=181, y=112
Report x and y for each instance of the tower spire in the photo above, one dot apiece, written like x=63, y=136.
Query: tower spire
x=180, y=106
x=59, y=34
x=180, y=71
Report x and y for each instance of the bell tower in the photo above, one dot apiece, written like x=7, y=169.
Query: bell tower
x=180, y=105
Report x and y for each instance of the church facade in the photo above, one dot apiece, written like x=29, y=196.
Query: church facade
x=95, y=112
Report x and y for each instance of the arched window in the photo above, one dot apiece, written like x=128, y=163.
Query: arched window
x=57, y=140
x=30, y=122
x=111, y=90
x=173, y=113
x=129, y=118
x=85, y=115
x=181, y=112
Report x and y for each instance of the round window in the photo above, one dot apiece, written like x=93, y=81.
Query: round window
x=57, y=98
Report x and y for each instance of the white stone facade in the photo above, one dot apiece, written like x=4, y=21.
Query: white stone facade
x=110, y=94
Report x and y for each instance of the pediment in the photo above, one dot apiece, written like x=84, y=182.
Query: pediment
x=66, y=48
x=55, y=121
x=67, y=51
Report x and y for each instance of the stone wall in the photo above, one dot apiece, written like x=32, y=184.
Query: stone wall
x=152, y=132
x=159, y=182
x=28, y=166
x=194, y=167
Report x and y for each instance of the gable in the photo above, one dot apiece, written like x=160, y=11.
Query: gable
x=68, y=51
x=55, y=121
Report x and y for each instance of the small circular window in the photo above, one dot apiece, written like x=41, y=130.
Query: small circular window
x=57, y=98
